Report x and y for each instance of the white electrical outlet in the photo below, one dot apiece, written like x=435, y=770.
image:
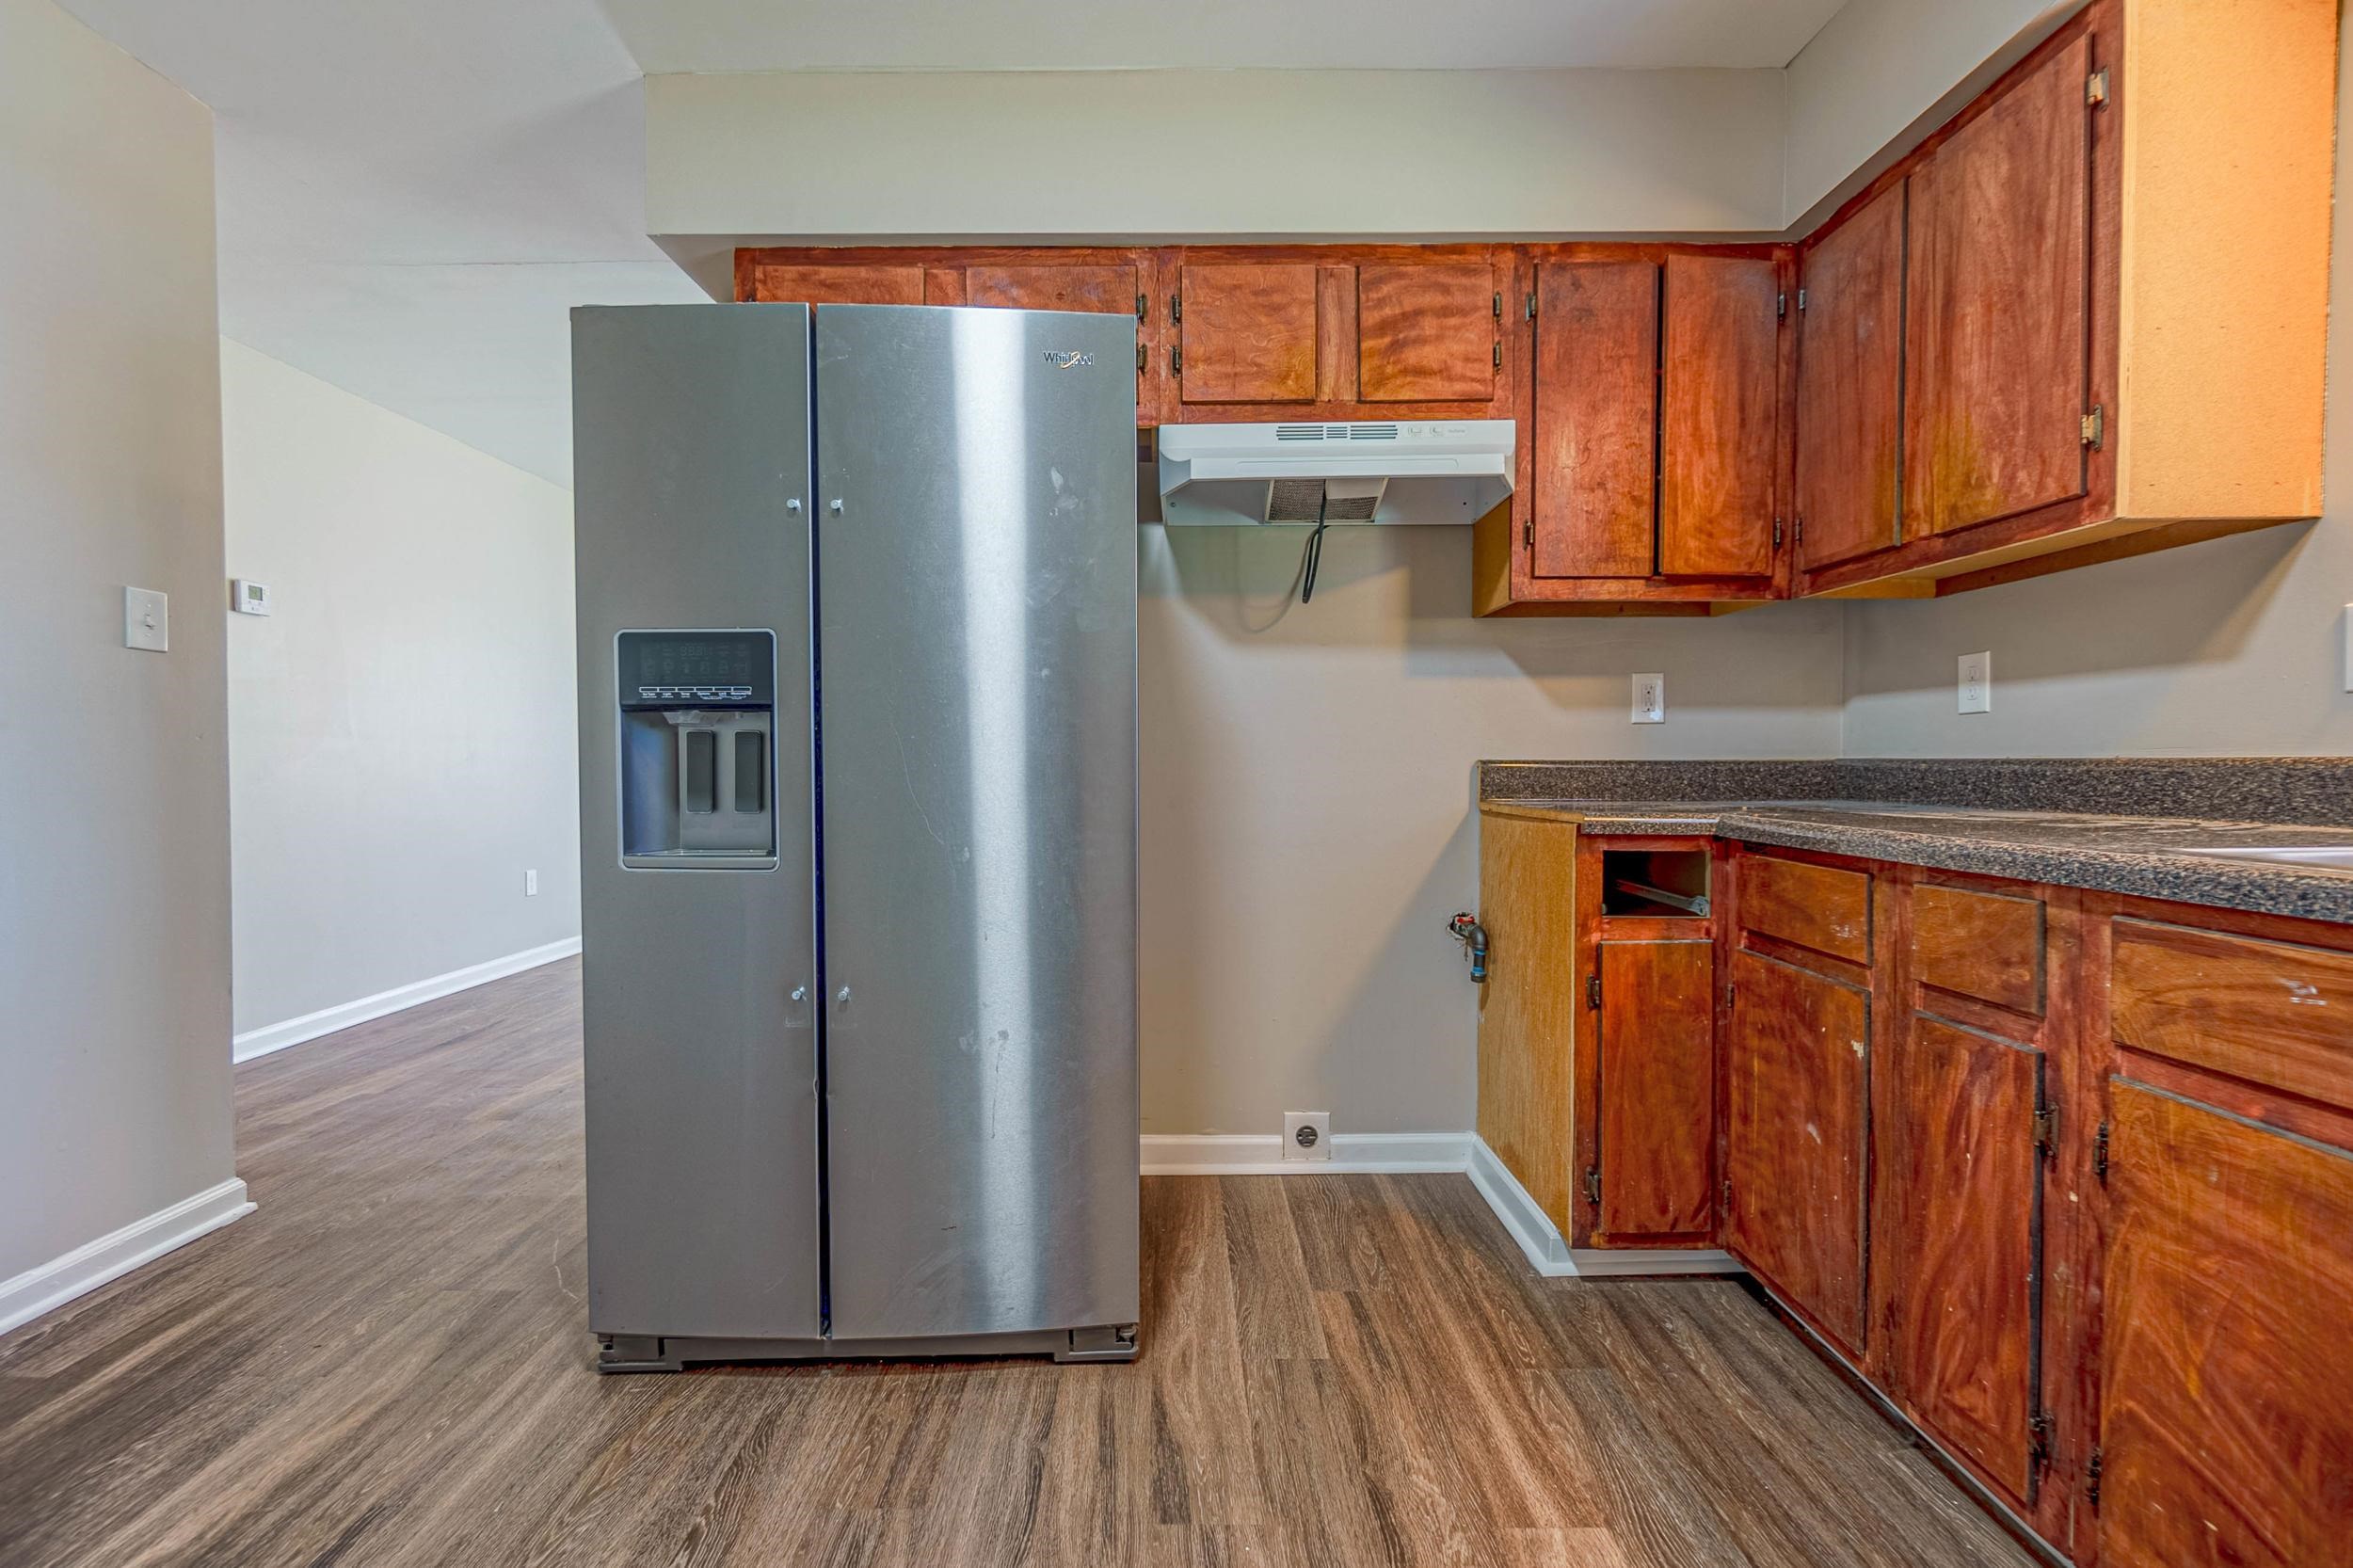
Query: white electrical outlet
x=1977, y=683
x=531, y=883
x=1650, y=700
x=146, y=620
x=1306, y=1135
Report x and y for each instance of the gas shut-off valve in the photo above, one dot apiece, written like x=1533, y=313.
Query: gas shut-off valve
x=1466, y=930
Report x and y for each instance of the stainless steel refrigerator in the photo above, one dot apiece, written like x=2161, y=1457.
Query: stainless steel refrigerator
x=857, y=739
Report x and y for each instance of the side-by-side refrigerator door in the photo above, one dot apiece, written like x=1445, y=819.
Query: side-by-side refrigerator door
x=690, y=433
x=977, y=614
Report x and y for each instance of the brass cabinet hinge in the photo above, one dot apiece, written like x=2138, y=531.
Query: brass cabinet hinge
x=1802, y=299
x=1498, y=307
x=1528, y=531
x=1176, y=362
x=1726, y=1194
x=1139, y=356
x=1731, y=989
x=2040, y=1428
x=1593, y=1185
x=2096, y=88
x=2091, y=1479
x=2100, y=1153
x=2095, y=426
x=1797, y=532
x=1592, y=990
x=1175, y=307
x=1777, y=533
x=1531, y=307
x=1142, y=305
x=1499, y=356
x=1781, y=307
x=2047, y=1132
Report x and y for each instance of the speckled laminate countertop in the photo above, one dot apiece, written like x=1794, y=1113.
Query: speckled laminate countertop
x=2146, y=856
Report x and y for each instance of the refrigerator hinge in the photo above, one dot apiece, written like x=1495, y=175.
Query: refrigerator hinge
x=1592, y=989
x=2096, y=88
x=2091, y=1479
x=2100, y=1153
x=2040, y=1428
x=1593, y=1185
x=2095, y=426
x=2047, y=1132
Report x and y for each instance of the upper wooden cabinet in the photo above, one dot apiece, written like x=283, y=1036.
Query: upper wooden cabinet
x=1851, y=367
x=2112, y=274
x=1653, y=456
x=1338, y=332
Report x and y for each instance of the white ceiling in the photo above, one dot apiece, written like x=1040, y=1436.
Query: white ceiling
x=413, y=193
x=1118, y=35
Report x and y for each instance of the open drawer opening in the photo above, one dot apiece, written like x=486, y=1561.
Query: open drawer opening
x=1670, y=883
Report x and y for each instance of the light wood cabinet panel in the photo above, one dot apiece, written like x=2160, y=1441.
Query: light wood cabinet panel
x=1656, y=1039
x=1426, y=332
x=1595, y=507
x=1527, y=1007
x=1850, y=384
x=1796, y=1067
x=1958, y=1159
x=848, y=283
x=2227, y=1396
x=1248, y=332
x=1997, y=308
x=1720, y=438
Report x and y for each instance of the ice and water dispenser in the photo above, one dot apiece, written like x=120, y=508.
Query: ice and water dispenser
x=697, y=735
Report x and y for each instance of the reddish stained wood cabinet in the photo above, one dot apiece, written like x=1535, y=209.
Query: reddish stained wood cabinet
x=1719, y=440
x=1596, y=416
x=1849, y=382
x=1653, y=1160
x=1998, y=306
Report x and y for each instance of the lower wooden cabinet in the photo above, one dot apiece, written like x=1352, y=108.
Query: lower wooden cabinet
x=1796, y=1116
x=2226, y=1431
x=1651, y=1179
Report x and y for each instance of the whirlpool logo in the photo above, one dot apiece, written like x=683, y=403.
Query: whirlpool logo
x=1067, y=358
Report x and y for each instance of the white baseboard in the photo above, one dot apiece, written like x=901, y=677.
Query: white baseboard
x=1548, y=1252
x=1261, y=1154
x=326, y=1020
x=53, y=1284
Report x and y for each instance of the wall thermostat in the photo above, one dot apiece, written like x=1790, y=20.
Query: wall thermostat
x=248, y=598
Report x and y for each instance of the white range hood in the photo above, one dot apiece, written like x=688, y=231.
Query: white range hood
x=1406, y=471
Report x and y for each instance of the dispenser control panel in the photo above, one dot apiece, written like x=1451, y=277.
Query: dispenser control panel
x=661, y=669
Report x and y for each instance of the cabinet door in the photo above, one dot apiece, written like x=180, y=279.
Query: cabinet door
x=1796, y=1074
x=1528, y=1008
x=2227, y=1394
x=851, y=284
x=1658, y=1112
x=1958, y=1159
x=1998, y=306
x=1595, y=510
x=1248, y=331
x=1112, y=290
x=1850, y=384
x=1427, y=332
x=1720, y=421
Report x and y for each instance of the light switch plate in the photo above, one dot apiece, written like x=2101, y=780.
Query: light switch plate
x=146, y=620
x=1650, y=700
x=1977, y=683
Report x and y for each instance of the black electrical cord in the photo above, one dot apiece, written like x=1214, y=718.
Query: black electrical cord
x=1312, y=556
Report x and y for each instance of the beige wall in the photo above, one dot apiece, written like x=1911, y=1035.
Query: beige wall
x=2232, y=647
x=1227, y=153
x=1307, y=823
x=382, y=823
x=114, y=812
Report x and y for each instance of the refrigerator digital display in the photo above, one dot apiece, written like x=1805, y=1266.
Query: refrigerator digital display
x=667, y=666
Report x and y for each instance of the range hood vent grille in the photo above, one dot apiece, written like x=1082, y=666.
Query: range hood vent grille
x=1335, y=432
x=1300, y=473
